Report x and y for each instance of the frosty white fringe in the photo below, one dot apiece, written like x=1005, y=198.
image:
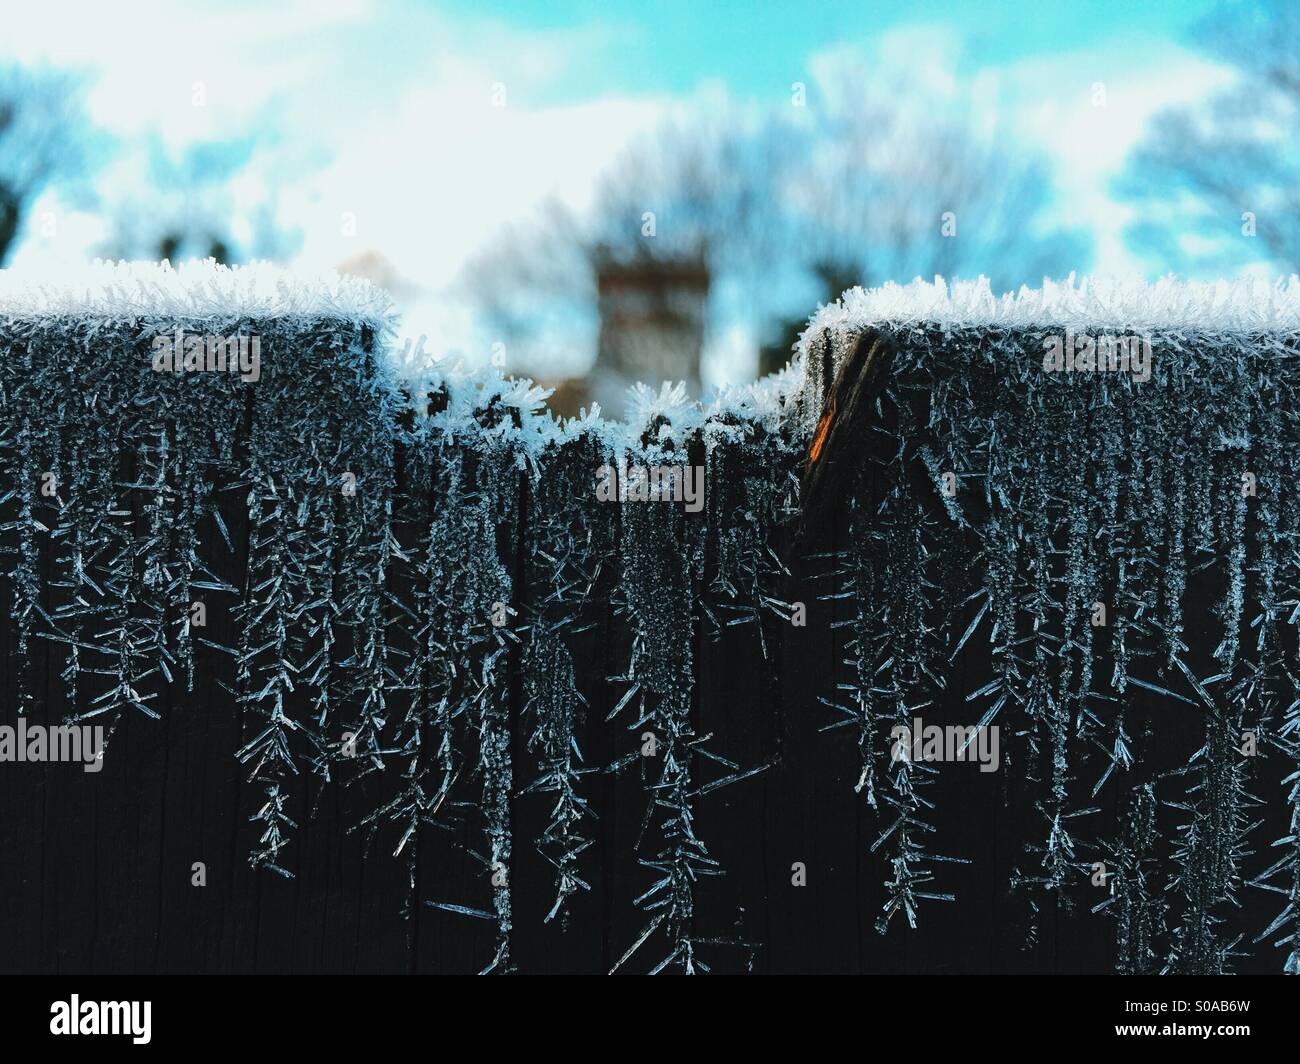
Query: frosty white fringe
x=1247, y=305
x=192, y=290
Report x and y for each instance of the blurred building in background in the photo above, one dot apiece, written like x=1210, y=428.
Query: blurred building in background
x=374, y=266
x=652, y=314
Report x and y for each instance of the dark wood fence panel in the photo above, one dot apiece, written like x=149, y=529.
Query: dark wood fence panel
x=98, y=868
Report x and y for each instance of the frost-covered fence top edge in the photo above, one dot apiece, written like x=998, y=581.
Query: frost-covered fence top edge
x=1244, y=305
x=205, y=292
x=191, y=290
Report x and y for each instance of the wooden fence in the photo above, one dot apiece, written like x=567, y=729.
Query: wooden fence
x=443, y=708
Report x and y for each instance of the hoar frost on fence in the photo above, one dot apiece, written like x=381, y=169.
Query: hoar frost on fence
x=1080, y=491
x=410, y=553
x=414, y=539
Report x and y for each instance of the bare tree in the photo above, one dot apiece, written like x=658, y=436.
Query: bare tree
x=1218, y=184
x=185, y=208
x=894, y=185
x=45, y=139
x=793, y=205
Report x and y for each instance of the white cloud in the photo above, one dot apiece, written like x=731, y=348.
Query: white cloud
x=440, y=173
x=1090, y=144
x=147, y=58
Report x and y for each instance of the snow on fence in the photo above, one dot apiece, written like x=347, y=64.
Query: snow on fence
x=490, y=645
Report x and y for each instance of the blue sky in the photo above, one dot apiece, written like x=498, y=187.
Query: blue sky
x=673, y=45
x=381, y=110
